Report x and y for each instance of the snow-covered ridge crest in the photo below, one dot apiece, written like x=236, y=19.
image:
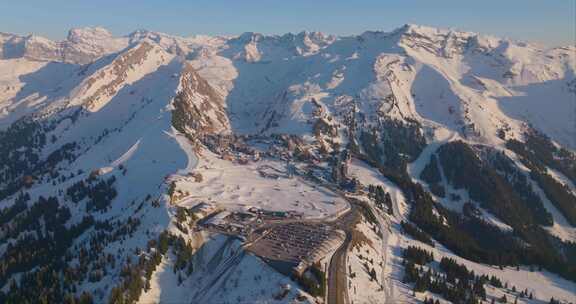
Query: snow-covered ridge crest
x=82, y=45
x=87, y=44
x=146, y=118
x=450, y=42
x=482, y=83
x=254, y=47
x=100, y=87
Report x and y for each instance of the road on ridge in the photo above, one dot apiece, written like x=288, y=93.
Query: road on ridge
x=337, y=289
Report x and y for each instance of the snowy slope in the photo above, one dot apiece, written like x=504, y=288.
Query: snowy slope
x=466, y=82
x=146, y=109
x=543, y=284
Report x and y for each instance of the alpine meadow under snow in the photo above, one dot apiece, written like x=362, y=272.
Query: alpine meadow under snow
x=411, y=166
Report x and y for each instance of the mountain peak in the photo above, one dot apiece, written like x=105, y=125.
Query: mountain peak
x=179, y=149
x=248, y=37
x=78, y=35
x=436, y=33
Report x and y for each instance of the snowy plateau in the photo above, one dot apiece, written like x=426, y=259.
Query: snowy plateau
x=419, y=165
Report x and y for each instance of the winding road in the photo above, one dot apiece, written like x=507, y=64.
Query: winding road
x=337, y=282
x=337, y=288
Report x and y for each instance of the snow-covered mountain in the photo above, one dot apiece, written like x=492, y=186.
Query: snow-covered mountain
x=109, y=143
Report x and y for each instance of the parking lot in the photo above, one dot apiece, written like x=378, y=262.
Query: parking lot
x=297, y=242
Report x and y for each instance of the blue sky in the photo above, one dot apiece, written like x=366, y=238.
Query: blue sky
x=552, y=22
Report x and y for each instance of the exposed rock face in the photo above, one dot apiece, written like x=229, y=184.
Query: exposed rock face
x=198, y=109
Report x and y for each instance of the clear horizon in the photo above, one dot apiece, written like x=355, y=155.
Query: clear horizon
x=551, y=23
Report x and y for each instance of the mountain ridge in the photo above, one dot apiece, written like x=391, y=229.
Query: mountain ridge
x=117, y=148
x=100, y=37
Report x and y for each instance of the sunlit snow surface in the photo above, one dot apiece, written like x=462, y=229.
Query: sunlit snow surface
x=239, y=187
x=457, y=85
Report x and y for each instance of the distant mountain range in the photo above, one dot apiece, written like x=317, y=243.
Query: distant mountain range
x=107, y=144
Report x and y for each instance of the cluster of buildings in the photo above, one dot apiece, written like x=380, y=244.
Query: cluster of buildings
x=224, y=222
x=268, y=215
x=232, y=147
x=238, y=223
x=203, y=209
